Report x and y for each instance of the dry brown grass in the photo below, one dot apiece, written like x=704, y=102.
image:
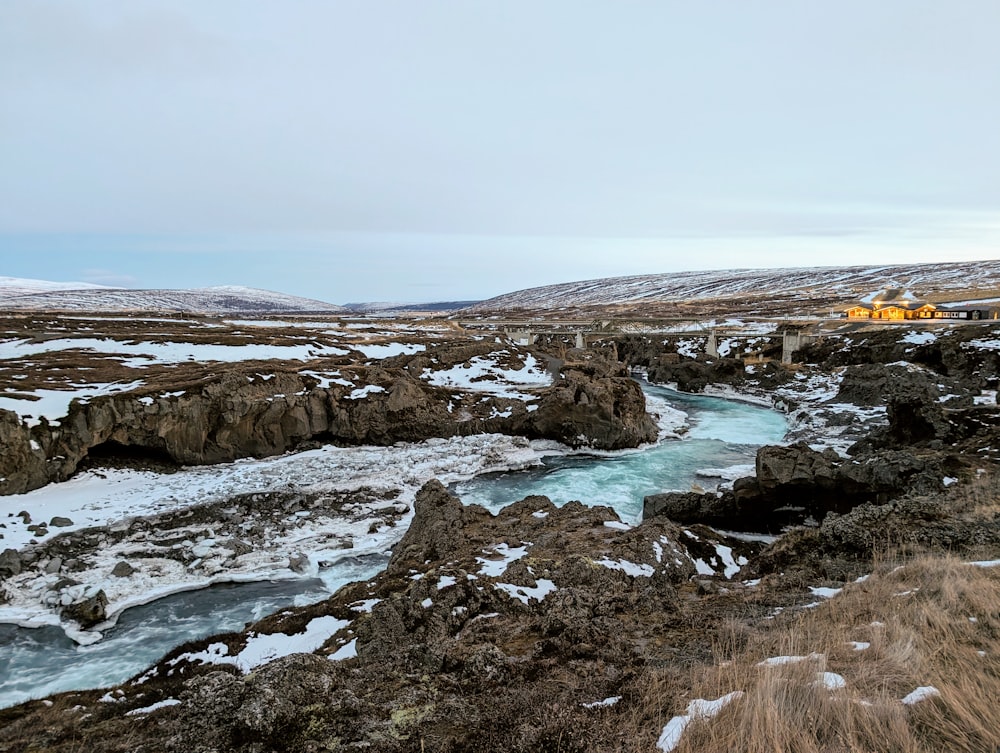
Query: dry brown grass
x=916, y=618
x=976, y=499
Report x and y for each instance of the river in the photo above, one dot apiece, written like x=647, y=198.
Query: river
x=721, y=434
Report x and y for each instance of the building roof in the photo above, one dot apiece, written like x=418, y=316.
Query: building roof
x=904, y=299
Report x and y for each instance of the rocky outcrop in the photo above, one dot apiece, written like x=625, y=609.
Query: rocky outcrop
x=953, y=352
x=795, y=484
x=10, y=563
x=24, y=464
x=693, y=375
x=601, y=411
x=437, y=531
x=484, y=633
x=239, y=414
x=921, y=523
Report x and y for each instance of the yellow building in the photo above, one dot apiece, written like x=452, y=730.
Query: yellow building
x=893, y=304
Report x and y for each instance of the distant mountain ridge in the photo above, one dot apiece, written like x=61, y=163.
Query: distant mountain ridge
x=39, y=295
x=386, y=307
x=834, y=283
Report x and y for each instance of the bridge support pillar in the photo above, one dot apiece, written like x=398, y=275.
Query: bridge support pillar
x=791, y=342
x=520, y=336
x=580, y=342
x=712, y=346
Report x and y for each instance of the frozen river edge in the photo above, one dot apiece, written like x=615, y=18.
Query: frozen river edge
x=291, y=516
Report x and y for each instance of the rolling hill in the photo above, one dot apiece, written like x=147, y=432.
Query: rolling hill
x=818, y=285
x=39, y=295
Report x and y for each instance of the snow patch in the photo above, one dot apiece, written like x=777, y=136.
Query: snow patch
x=920, y=694
x=699, y=708
x=629, y=568
x=494, y=568
x=166, y=703
x=541, y=589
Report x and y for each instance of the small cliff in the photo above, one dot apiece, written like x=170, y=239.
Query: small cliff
x=240, y=413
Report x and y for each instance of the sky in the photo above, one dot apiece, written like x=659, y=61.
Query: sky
x=362, y=150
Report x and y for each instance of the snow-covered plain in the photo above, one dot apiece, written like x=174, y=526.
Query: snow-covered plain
x=140, y=354
x=53, y=405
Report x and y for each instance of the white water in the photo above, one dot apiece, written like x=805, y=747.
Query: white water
x=39, y=662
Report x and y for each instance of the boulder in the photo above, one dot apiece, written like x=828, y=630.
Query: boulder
x=298, y=563
x=693, y=375
x=796, y=464
x=10, y=563
x=88, y=612
x=122, y=570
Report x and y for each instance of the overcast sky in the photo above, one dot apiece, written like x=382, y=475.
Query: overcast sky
x=457, y=149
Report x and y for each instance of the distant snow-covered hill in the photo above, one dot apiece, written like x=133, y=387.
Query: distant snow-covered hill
x=36, y=295
x=13, y=286
x=831, y=283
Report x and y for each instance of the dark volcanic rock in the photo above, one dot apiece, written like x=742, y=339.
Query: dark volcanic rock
x=797, y=464
x=484, y=633
x=236, y=414
x=88, y=612
x=950, y=352
x=122, y=570
x=796, y=483
x=226, y=709
x=606, y=412
x=695, y=375
x=918, y=523
x=10, y=563
x=876, y=384
x=914, y=409
x=437, y=530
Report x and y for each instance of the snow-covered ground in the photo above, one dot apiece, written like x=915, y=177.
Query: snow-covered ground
x=140, y=354
x=101, y=498
x=15, y=286
x=489, y=374
x=52, y=405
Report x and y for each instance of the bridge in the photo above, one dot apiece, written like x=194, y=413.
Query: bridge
x=527, y=331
